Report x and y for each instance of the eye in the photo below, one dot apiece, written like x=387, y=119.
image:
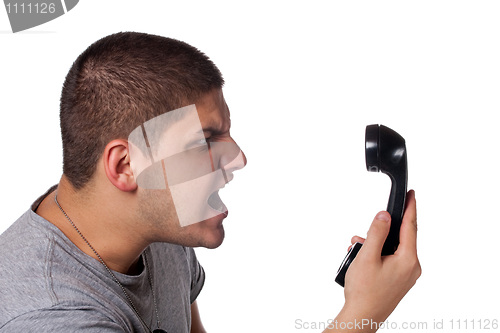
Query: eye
x=200, y=142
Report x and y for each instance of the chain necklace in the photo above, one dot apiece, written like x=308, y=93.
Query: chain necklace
x=113, y=276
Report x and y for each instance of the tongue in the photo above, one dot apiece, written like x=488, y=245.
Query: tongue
x=216, y=203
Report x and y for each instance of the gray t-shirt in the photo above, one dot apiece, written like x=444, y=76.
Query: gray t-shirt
x=47, y=284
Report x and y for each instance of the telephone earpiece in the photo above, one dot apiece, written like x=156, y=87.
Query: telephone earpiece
x=385, y=151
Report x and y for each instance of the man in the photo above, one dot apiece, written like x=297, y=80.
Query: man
x=109, y=249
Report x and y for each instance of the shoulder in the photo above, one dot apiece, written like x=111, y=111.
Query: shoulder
x=24, y=278
x=42, y=274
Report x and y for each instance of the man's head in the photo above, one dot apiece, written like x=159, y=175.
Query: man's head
x=120, y=82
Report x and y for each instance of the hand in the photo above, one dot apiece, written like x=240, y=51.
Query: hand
x=374, y=284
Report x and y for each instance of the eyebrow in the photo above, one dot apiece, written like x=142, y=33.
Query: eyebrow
x=217, y=125
x=212, y=128
x=203, y=131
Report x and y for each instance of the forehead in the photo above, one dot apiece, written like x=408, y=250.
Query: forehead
x=213, y=112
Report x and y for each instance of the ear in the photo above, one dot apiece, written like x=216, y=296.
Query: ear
x=116, y=158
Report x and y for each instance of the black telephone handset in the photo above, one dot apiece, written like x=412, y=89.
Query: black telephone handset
x=385, y=151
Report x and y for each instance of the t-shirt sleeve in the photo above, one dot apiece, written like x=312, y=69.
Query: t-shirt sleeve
x=197, y=274
x=59, y=320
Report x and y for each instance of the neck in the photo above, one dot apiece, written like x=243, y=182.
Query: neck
x=106, y=225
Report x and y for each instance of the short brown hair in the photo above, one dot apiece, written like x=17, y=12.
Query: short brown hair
x=118, y=83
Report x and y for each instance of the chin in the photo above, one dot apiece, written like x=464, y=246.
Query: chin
x=208, y=233
x=214, y=241
x=212, y=232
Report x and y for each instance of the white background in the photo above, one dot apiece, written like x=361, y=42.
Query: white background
x=303, y=81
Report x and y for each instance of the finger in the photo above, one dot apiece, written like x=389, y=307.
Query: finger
x=377, y=234
x=354, y=240
x=408, y=233
x=357, y=239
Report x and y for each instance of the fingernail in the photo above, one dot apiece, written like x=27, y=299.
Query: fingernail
x=383, y=216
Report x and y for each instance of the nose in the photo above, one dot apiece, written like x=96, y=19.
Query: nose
x=228, y=157
x=236, y=163
x=241, y=158
x=244, y=158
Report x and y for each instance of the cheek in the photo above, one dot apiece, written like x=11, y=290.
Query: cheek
x=156, y=209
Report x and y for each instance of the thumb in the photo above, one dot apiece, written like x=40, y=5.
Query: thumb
x=377, y=234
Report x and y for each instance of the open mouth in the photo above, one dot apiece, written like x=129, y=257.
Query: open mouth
x=215, y=202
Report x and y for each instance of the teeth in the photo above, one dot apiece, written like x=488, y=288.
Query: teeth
x=216, y=203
